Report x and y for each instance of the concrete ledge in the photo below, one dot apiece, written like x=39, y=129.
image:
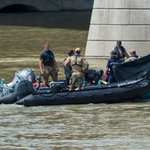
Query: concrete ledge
x=140, y=17
x=105, y=32
x=136, y=4
x=108, y=4
x=119, y=4
x=119, y=32
x=106, y=16
x=135, y=33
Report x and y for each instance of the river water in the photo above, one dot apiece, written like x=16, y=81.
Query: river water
x=92, y=126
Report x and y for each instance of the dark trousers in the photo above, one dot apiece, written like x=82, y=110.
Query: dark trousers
x=111, y=78
x=68, y=75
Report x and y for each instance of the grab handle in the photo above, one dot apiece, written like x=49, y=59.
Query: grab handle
x=3, y=87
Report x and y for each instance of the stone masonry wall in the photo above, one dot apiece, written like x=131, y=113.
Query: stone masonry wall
x=125, y=20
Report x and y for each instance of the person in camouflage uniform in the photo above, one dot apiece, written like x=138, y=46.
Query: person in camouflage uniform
x=50, y=65
x=77, y=62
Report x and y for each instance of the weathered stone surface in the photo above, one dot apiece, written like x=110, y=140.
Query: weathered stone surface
x=134, y=33
x=105, y=32
x=108, y=4
x=98, y=47
x=148, y=3
x=100, y=16
x=125, y=20
x=140, y=17
x=119, y=16
x=106, y=16
x=148, y=33
x=121, y=4
x=136, y=3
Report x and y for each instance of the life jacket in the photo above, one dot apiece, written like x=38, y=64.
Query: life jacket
x=41, y=85
x=133, y=57
x=122, y=50
x=48, y=58
x=76, y=63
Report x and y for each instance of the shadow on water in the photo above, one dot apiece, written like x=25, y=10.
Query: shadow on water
x=79, y=20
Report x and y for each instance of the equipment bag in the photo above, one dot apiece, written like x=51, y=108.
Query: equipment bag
x=56, y=88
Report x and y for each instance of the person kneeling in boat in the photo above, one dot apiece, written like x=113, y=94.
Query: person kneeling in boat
x=77, y=62
x=93, y=75
x=68, y=74
x=113, y=58
x=133, y=55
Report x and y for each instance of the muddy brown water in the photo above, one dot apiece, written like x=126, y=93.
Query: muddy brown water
x=89, y=127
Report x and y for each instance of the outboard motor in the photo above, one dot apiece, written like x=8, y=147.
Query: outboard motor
x=26, y=74
x=20, y=75
x=23, y=88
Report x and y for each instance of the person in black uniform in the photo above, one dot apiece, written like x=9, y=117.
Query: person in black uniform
x=113, y=59
x=92, y=74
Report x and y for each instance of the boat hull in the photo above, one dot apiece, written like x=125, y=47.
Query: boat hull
x=114, y=93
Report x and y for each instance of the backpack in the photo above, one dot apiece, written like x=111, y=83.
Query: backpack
x=56, y=88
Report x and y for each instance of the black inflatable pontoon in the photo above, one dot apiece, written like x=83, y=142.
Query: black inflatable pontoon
x=113, y=93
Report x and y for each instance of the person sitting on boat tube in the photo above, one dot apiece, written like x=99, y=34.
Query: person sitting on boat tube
x=113, y=58
x=93, y=75
x=77, y=62
x=133, y=55
x=68, y=74
x=50, y=65
x=121, y=51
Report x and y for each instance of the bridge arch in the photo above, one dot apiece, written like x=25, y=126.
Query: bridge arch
x=18, y=8
x=44, y=5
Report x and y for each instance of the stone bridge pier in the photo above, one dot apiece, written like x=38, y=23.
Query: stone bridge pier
x=125, y=20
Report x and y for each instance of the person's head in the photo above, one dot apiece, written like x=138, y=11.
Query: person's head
x=46, y=46
x=133, y=52
x=119, y=44
x=78, y=50
x=113, y=53
x=70, y=53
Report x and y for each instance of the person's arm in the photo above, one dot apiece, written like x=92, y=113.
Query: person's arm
x=55, y=63
x=107, y=67
x=126, y=54
x=66, y=65
x=65, y=61
x=40, y=65
x=86, y=65
x=107, y=70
